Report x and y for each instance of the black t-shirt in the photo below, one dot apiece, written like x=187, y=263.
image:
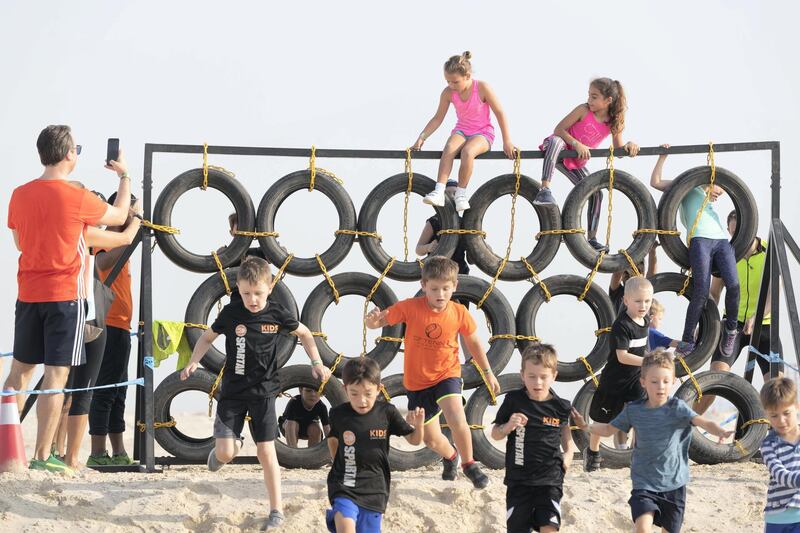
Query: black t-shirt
x=533, y=453
x=360, y=469
x=625, y=335
x=615, y=295
x=460, y=254
x=296, y=411
x=251, y=369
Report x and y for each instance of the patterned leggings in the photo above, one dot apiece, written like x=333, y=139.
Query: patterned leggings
x=552, y=146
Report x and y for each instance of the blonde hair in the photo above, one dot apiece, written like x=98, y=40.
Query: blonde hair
x=619, y=103
x=459, y=64
x=637, y=283
x=658, y=358
x=541, y=354
x=778, y=392
x=440, y=267
x=656, y=307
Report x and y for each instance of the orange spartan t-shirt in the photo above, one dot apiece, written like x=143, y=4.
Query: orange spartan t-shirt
x=431, y=340
x=121, y=310
x=50, y=217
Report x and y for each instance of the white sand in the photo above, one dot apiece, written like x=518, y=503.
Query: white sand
x=720, y=498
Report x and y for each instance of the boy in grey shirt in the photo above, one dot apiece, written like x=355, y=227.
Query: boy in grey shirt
x=660, y=464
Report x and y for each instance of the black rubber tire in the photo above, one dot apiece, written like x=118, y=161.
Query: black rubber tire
x=612, y=458
x=482, y=448
x=710, y=326
x=318, y=455
x=171, y=438
x=368, y=221
x=268, y=209
x=359, y=284
x=401, y=459
x=746, y=211
x=642, y=200
x=233, y=190
x=488, y=261
x=598, y=302
x=209, y=293
x=501, y=317
x=745, y=398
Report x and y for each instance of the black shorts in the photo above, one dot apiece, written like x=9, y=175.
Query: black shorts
x=668, y=507
x=743, y=341
x=49, y=333
x=429, y=398
x=302, y=432
x=532, y=507
x=608, y=402
x=231, y=413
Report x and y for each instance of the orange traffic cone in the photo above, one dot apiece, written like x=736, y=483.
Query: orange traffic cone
x=12, y=449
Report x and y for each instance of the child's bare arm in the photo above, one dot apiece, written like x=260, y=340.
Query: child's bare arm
x=631, y=147
x=501, y=431
x=200, y=349
x=712, y=427
x=417, y=419
x=494, y=104
x=656, y=181
x=377, y=318
x=318, y=370
x=616, y=280
x=333, y=446
x=627, y=358
x=479, y=355
x=602, y=430
x=574, y=116
x=425, y=245
x=434, y=123
x=567, y=445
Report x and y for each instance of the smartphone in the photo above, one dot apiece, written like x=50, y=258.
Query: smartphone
x=112, y=150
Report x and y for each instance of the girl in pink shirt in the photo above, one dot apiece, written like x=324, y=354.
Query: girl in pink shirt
x=585, y=127
x=473, y=133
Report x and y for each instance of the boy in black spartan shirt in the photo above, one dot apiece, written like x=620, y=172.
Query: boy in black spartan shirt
x=302, y=418
x=358, y=483
x=250, y=383
x=619, y=381
x=535, y=423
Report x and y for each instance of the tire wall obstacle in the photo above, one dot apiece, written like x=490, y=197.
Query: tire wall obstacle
x=508, y=330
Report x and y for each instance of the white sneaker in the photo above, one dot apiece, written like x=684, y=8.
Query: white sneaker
x=434, y=198
x=461, y=203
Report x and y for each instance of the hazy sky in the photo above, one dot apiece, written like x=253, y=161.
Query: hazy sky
x=368, y=75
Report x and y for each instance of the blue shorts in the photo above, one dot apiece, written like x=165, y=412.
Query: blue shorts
x=468, y=137
x=429, y=398
x=782, y=528
x=367, y=521
x=667, y=507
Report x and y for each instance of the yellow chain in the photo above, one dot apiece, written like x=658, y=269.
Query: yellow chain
x=222, y=273
x=388, y=339
x=531, y=338
x=319, y=334
x=366, y=305
x=312, y=167
x=539, y=281
x=385, y=393
x=485, y=381
x=601, y=331
x=656, y=231
x=610, y=164
x=740, y=447
x=685, y=283
x=710, y=161
x=192, y=325
x=755, y=421
x=559, y=232
x=470, y=426
x=204, y=186
x=630, y=261
x=159, y=227
x=589, y=368
x=256, y=233
x=157, y=425
x=405, y=203
x=281, y=270
x=214, y=389
x=328, y=278
x=333, y=368
x=592, y=275
x=358, y=233
x=691, y=376
x=461, y=232
x=517, y=175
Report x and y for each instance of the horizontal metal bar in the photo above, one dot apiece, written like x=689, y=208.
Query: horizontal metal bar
x=175, y=461
x=401, y=154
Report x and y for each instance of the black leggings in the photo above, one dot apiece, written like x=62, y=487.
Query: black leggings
x=107, y=412
x=86, y=376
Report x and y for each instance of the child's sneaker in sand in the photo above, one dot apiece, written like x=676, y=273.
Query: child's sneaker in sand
x=450, y=468
x=101, y=459
x=592, y=460
x=434, y=198
x=274, y=520
x=121, y=459
x=475, y=474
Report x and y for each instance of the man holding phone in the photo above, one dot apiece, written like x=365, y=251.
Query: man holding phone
x=48, y=219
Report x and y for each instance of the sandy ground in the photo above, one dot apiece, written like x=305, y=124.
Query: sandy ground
x=720, y=498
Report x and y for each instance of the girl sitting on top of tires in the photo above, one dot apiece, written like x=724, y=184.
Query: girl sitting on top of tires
x=709, y=249
x=473, y=134
x=583, y=128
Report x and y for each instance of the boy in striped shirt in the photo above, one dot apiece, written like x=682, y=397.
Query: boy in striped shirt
x=782, y=457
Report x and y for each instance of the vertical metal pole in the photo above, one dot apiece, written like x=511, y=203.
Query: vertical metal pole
x=146, y=307
x=788, y=288
x=776, y=237
x=775, y=185
x=752, y=358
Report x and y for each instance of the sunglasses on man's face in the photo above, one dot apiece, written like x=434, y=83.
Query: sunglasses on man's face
x=77, y=149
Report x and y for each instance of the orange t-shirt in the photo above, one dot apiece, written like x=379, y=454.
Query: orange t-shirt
x=50, y=217
x=121, y=310
x=431, y=340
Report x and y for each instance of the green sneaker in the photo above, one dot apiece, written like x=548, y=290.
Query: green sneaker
x=121, y=459
x=100, y=460
x=51, y=464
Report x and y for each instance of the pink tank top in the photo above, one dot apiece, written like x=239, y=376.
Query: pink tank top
x=589, y=132
x=473, y=115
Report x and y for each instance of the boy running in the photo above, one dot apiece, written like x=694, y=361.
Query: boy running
x=535, y=423
x=250, y=383
x=431, y=369
x=660, y=464
x=359, y=481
